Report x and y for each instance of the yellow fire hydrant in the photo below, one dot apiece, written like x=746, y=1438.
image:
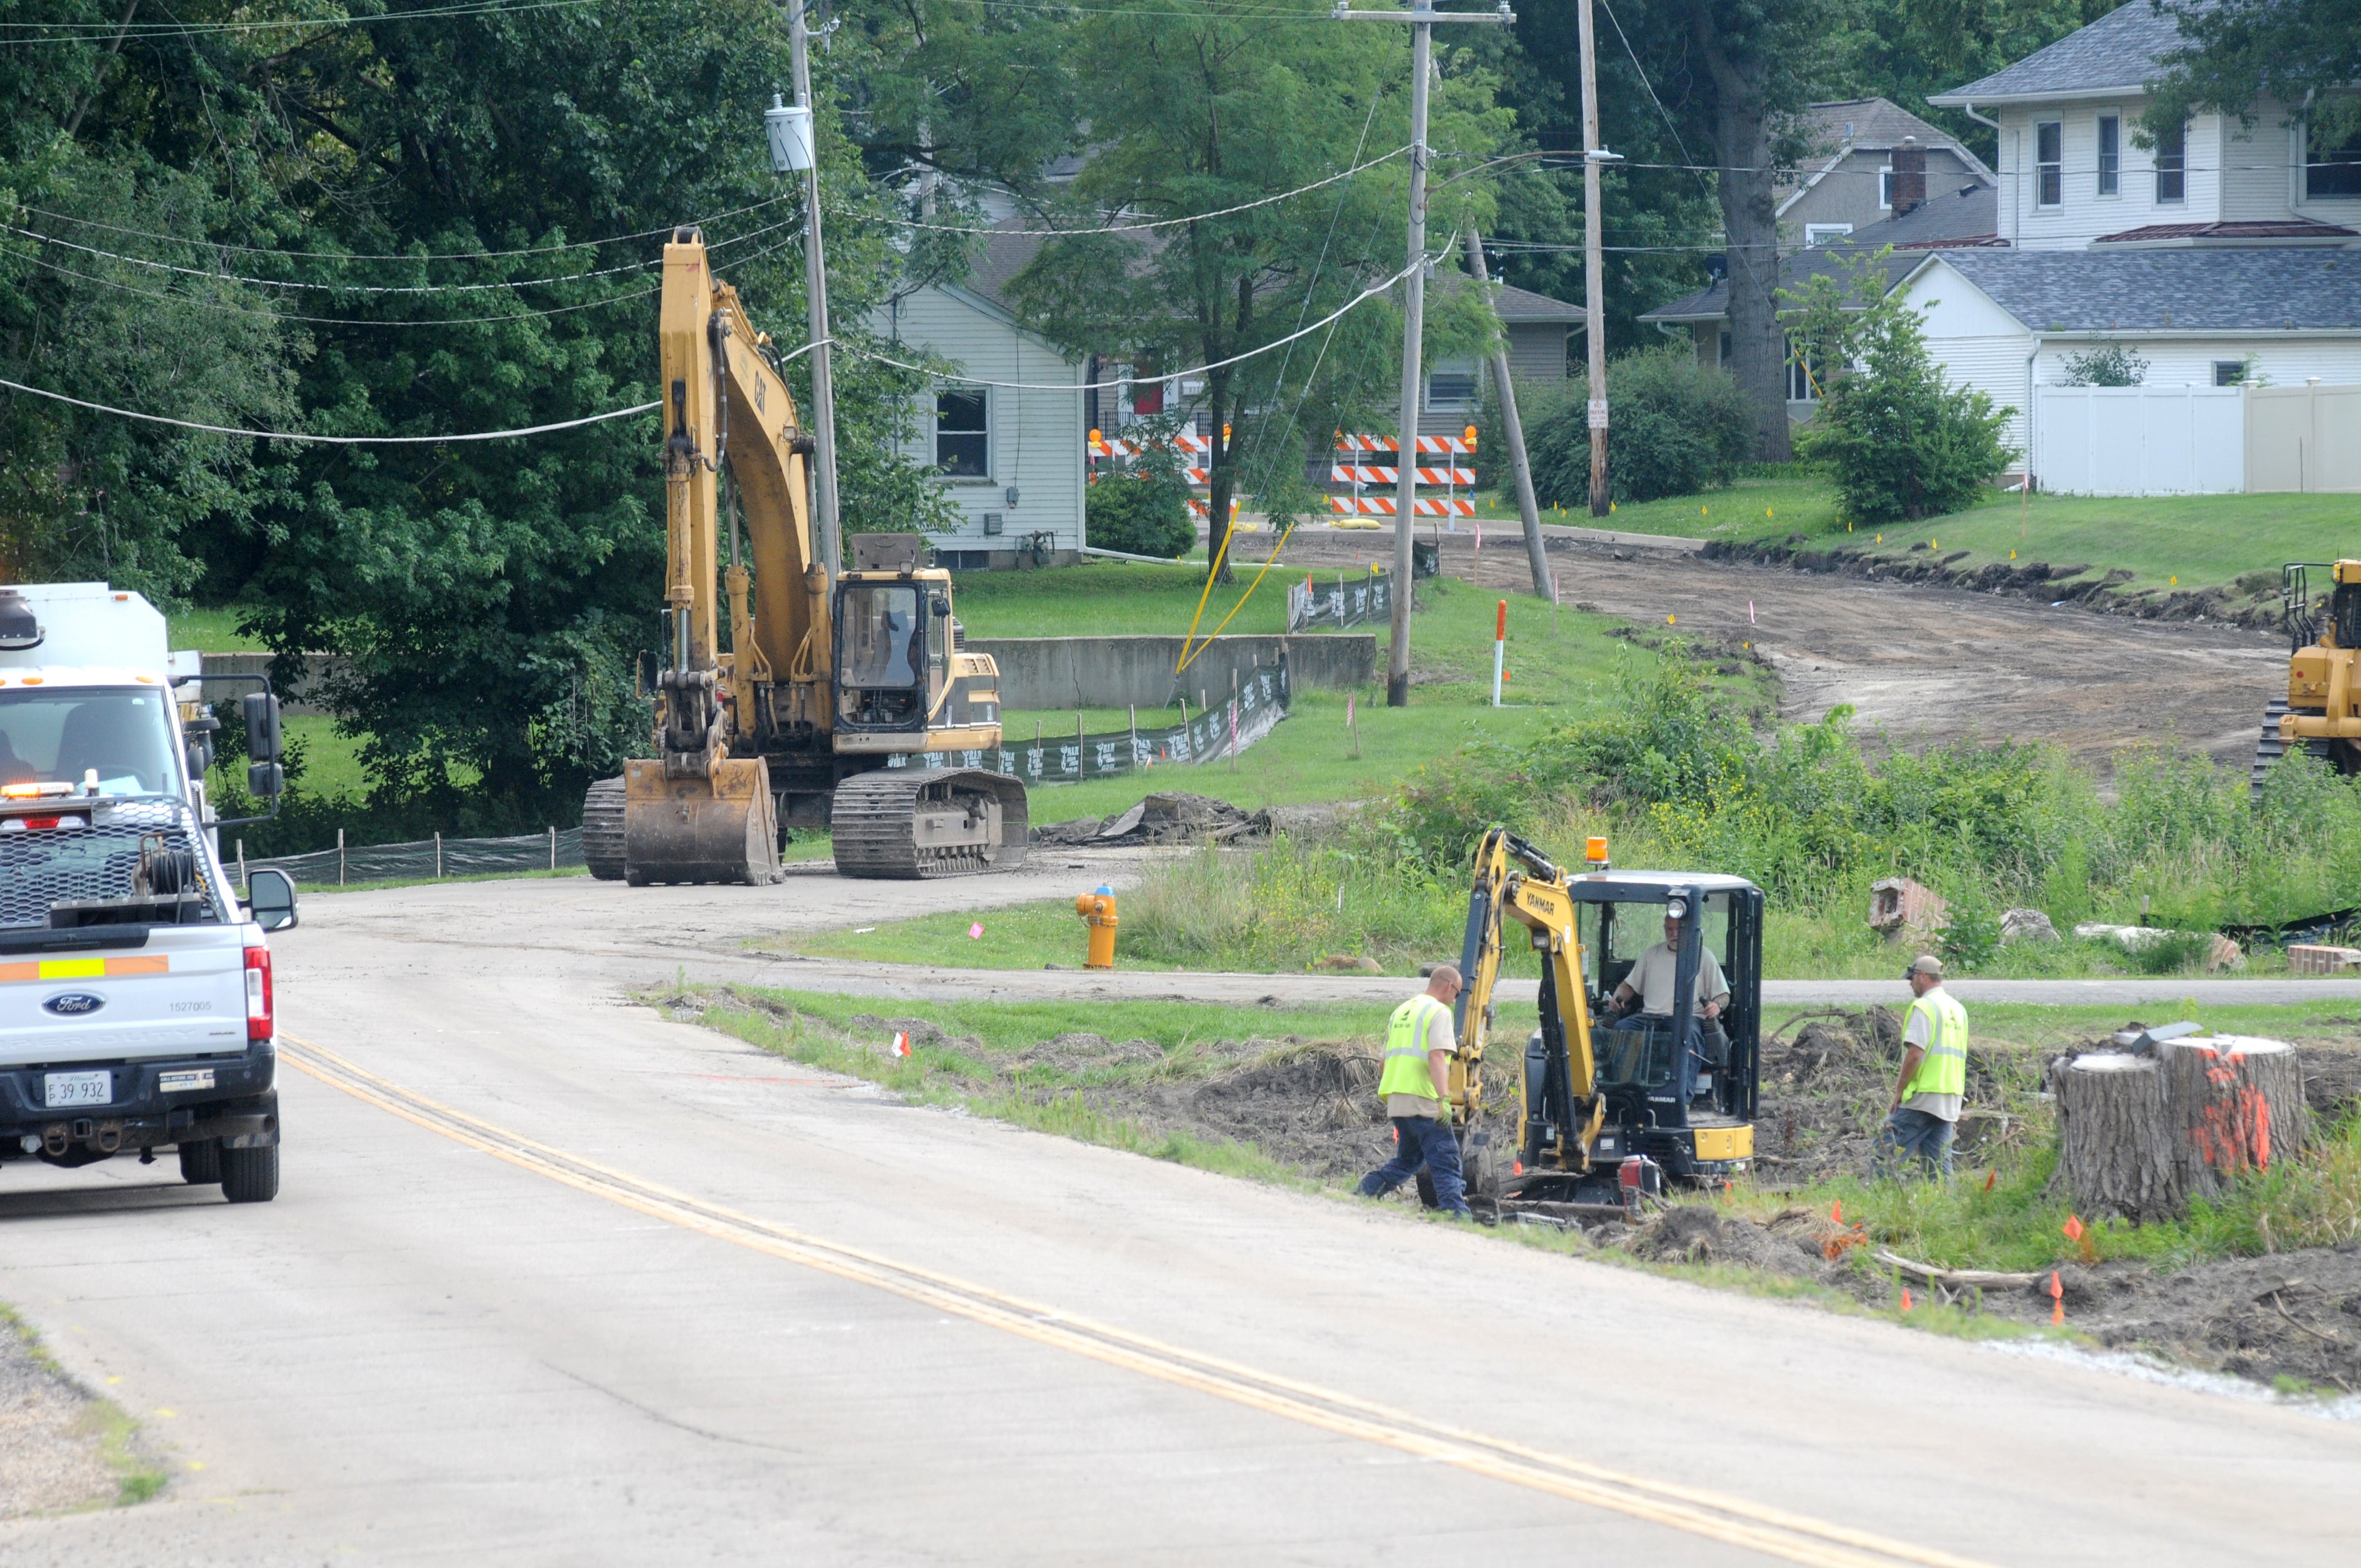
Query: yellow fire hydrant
x=1097, y=910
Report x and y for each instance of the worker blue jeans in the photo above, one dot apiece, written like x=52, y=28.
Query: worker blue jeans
x=1915, y=1136
x=1424, y=1141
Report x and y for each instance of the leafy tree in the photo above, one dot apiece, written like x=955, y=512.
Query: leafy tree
x=2108, y=365
x=2303, y=55
x=1192, y=110
x=1908, y=49
x=1140, y=513
x=1679, y=428
x=1903, y=443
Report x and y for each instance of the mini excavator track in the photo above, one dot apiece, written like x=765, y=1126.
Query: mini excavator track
x=903, y=824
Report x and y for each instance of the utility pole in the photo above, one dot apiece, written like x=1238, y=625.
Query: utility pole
x=1514, y=432
x=1422, y=20
x=830, y=542
x=1594, y=267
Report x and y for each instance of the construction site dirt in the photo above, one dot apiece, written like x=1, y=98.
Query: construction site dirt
x=1922, y=664
x=1310, y=1108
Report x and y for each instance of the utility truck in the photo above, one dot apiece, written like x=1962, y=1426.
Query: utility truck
x=135, y=1006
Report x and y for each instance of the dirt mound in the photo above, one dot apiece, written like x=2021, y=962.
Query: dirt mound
x=1080, y=1052
x=1171, y=817
x=1826, y=1089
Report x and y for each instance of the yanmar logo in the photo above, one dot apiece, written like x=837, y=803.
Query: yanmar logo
x=73, y=1003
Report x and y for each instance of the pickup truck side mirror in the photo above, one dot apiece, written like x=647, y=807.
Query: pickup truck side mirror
x=270, y=898
x=264, y=777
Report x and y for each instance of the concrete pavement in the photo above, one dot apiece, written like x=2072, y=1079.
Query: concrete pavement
x=473, y=1329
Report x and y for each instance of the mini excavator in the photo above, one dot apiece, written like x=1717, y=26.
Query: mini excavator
x=1609, y=1114
x=2320, y=712
x=832, y=703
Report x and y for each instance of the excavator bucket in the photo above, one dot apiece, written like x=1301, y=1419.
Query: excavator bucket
x=721, y=828
x=908, y=823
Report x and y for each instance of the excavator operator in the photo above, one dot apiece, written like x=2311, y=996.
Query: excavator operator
x=1644, y=1000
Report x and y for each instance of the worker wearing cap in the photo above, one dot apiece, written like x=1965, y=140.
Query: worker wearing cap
x=1645, y=999
x=1934, y=1080
x=1416, y=1086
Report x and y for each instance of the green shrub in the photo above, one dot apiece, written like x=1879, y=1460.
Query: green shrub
x=1902, y=443
x=1143, y=516
x=1677, y=428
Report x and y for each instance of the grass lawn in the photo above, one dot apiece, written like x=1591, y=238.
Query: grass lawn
x=1770, y=505
x=210, y=631
x=2169, y=544
x=1121, y=598
x=1558, y=670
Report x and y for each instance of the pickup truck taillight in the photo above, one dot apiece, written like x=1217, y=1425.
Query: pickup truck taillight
x=259, y=1025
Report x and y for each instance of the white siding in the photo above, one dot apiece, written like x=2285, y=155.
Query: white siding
x=1978, y=343
x=2283, y=360
x=2084, y=215
x=1037, y=435
x=2258, y=170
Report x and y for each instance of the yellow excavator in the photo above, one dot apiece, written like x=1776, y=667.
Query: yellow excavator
x=854, y=708
x=1609, y=1114
x=2320, y=710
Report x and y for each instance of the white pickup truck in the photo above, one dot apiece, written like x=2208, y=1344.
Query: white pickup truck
x=135, y=1008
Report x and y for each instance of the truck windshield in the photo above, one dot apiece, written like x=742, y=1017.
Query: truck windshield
x=882, y=644
x=65, y=734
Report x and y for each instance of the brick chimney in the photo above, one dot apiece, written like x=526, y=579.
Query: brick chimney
x=1909, y=176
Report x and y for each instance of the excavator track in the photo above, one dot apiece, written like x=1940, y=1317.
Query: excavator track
x=905, y=824
x=602, y=829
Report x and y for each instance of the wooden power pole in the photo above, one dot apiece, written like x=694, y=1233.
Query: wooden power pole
x=1512, y=431
x=1594, y=267
x=1422, y=20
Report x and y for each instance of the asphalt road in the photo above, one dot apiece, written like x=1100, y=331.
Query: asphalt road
x=554, y=1280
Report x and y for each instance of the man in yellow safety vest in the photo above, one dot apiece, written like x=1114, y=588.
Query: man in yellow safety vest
x=1416, y=1088
x=1934, y=1080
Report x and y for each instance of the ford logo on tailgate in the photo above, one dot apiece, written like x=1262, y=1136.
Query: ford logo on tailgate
x=73, y=1003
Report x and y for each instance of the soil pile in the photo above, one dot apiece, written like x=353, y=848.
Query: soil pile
x=1827, y=1086
x=1172, y=816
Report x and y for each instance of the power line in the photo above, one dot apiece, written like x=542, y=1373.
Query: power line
x=404, y=256
x=93, y=32
x=367, y=439
x=335, y=440
x=1156, y=223
x=1354, y=302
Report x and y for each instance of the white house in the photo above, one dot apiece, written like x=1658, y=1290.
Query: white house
x=2006, y=320
x=1012, y=454
x=2071, y=178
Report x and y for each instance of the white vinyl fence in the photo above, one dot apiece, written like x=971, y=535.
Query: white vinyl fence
x=2140, y=440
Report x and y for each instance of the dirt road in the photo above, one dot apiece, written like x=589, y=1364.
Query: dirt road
x=1921, y=663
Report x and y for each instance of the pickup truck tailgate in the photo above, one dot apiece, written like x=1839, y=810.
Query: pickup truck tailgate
x=182, y=994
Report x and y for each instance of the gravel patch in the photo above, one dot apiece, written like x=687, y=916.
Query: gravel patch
x=52, y=1437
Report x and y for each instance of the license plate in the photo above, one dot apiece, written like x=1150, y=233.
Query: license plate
x=182, y=1082
x=65, y=1089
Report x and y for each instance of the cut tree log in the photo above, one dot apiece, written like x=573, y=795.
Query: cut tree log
x=2139, y=1134
x=2240, y=1102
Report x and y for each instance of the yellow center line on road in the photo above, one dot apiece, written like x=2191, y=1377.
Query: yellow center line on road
x=1775, y=1532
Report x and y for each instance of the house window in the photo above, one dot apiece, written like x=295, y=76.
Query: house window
x=2110, y=155
x=1725, y=349
x=2330, y=171
x=2229, y=372
x=1801, y=384
x=963, y=435
x=2048, y=163
x=1452, y=384
x=2172, y=164
x=1820, y=233
x=1885, y=188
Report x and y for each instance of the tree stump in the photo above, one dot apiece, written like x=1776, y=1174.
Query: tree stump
x=2141, y=1132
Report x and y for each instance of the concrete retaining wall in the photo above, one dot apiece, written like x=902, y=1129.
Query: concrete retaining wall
x=1036, y=673
x=1054, y=673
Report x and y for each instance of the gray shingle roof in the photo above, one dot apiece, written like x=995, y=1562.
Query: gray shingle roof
x=1952, y=217
x=1878, y=125
x=2119, y=50
x=1512, y=303
x=2263, y=289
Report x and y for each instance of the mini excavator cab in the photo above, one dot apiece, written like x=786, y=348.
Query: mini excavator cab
x=1613, y=1105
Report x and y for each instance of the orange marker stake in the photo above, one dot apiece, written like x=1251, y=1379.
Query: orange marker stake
x=1499, y=650
x=1905, y=1297
x=2057, y=1301
x=1836, y=1210
x=1992, y=1178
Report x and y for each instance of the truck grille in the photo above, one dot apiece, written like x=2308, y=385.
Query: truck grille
x=52, y=865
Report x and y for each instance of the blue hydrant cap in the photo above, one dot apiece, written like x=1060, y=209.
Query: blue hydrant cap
x=1103, y=888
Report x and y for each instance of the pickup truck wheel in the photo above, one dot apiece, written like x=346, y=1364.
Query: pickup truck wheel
x=250, y=1175
x=200, y=1163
